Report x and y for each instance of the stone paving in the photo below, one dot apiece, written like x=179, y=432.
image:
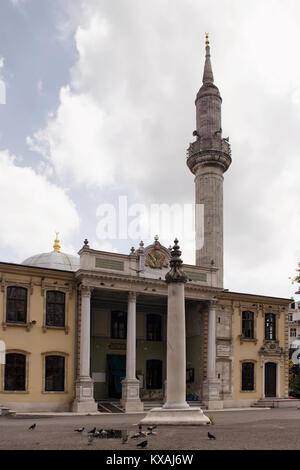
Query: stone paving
x=273, y=429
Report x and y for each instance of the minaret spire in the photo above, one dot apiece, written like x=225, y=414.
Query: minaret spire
x=208, y=76
x=208, y=158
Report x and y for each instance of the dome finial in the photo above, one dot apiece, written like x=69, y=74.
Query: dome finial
x=56, y=245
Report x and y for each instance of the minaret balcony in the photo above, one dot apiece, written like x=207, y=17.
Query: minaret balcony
x=209, y=151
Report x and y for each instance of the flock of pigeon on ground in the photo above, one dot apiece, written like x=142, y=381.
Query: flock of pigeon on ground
x=112, y=433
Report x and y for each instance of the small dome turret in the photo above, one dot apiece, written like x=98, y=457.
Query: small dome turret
x=54, y=260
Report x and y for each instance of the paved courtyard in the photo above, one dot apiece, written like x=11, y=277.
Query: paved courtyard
x=274, y=429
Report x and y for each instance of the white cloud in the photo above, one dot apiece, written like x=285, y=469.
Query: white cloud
x=32, y=209
x=127, y=116
x=74, y=141
x=17, y=3
x=40, y=85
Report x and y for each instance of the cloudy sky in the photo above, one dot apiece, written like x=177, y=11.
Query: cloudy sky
x=100, y=104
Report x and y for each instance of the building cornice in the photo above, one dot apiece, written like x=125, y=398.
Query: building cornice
x=21, y=269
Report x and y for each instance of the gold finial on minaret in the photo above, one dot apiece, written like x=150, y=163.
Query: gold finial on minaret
x=207, y=40
x=56, y=245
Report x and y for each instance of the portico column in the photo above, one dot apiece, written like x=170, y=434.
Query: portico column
x=131, y=385
x=211, y=384
x=84, y=400
x=211, y=342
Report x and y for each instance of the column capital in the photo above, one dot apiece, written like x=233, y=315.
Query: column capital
x=131, y=296
x=212, y=303
x=86, y=291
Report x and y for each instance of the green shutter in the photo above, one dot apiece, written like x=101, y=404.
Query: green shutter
x=194, y=276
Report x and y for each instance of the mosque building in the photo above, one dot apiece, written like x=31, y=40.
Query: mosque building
x=73, y=327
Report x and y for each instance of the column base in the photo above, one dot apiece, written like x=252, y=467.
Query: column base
x=84, y=401
x=130, y=400
x=211, y=390
x=191, y=416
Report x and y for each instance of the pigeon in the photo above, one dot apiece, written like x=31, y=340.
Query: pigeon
x=150, y=428
x=142, y=444
x=92, y=431
x=136, y=436
x=125, y=439
x=90, y=439
x=79, y=429
x=210, y=436
x=32, y=426
x=103, y=432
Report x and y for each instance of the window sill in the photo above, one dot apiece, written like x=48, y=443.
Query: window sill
x=53, y=392
x=247, y=391
x=66, y=329
x=247, y=340
x=24, y=325
x=21, y=392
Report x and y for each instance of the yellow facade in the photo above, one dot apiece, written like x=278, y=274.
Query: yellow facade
x=36, y=340
x=256, y=350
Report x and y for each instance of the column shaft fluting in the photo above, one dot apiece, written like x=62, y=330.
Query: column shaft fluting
x=85, y=332
x=211, y=343
x=131, y=337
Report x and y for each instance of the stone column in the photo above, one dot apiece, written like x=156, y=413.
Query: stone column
x=211, y=384
x=176, y=410
x=176, y=351
x=84, y=400
x=131, y=385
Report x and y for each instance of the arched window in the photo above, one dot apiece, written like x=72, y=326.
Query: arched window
x=248, y=324
x=247, y=376
x=153, y=327
x=55, y=308
x=54, y=373
x=16, y=304
x=154, y=374
x=270, y=326
x=15, y=372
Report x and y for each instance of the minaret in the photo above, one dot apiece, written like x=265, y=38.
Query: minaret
x=208, y=158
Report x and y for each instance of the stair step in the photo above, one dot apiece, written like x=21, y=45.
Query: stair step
x=110, y=407
x=4, y=411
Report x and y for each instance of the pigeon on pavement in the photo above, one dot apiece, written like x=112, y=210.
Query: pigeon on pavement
x=79, y=429
x=90, y=439
x=142, y=444
x=210, y=436
x=150, y=428
x=33, y=426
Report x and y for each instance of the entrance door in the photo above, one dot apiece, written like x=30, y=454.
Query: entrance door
x=270, y=379
x=116, y=373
